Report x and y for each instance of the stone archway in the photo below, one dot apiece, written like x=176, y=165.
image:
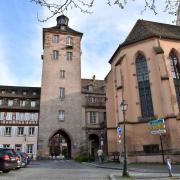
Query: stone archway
x=93, y=144
x=60, y=144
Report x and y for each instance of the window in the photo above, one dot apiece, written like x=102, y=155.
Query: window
x=34, y=93
x=69, y=41
x=55, y=55
x=1, y=115
x=33, y=103
x=144, y=87
x=7, y=131
x=152, y=148
x=93, y=99
x=92, y=117
x=23, y=103
x=10, y=102
x=18, y=147
x=24, y=92
x=0, y=102
x=34, y=116
x=55, y=39
x=61, y=93
x=90, y=88
x=9, y=116
x=69, y=56
x=13, y=92
x=31, y=131
x=20, y=131
x=3, y=91
x=62, y=74
x=61, y=115
x=29, y=149
x=6, y=145
x=175, y=70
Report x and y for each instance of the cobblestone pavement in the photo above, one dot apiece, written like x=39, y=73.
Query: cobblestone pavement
x=57, y=170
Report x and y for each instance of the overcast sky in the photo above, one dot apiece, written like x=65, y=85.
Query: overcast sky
x=104, y=30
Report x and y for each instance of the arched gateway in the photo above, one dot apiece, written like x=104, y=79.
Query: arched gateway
x=60, y=144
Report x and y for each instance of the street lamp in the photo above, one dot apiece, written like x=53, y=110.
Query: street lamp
x=124, y=106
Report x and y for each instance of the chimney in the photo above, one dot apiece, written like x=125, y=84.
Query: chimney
x=94, y=79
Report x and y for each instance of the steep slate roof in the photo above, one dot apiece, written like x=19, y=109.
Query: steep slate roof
x=147, y=29
x=99, y=86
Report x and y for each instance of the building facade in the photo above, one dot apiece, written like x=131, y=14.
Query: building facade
x=63, y=113
x=94, y=114
x=19, y=118
x=145, y=72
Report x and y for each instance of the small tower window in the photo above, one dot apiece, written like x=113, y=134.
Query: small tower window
x=55, y=55
x=61, y=93
x=62, y=74
x=69, y=41
x=61, y=115
x=55, y=39
x=69, y=56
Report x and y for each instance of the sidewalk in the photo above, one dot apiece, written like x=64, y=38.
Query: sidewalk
x=139, y=171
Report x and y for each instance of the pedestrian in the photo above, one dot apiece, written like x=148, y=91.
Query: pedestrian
x=100, y=155
x=168, y=160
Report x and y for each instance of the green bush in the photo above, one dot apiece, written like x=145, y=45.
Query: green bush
x=84, y=158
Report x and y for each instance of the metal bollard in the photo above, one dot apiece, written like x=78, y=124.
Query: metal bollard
x=169, y=167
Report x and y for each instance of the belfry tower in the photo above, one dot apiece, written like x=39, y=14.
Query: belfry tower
x=60, y=125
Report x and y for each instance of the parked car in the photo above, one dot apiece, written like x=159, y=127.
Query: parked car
x=8, y=160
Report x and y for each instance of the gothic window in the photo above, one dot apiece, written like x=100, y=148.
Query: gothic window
x=144, y=87
x=175, y=70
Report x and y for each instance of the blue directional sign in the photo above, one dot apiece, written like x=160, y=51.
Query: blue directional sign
x=119, y=130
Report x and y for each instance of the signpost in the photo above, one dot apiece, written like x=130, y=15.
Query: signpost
x=157, y=126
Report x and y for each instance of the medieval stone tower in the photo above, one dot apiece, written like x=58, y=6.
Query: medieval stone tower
x=60, y=124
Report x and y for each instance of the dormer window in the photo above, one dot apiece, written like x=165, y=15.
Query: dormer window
x=34, y=93
x=24, y=92
x=90, y=88
x=13, y=92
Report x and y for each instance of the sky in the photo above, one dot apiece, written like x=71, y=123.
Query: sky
x=104, y=30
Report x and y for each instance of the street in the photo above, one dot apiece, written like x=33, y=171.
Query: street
x=57, y=170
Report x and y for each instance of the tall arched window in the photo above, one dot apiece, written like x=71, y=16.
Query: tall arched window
x=175, y=70
x=144, y=87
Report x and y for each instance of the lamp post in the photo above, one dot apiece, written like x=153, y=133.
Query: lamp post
x=124, y=106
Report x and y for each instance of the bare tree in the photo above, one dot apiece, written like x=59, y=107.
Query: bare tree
x=60, y=6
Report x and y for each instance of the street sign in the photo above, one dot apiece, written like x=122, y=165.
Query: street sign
x=119, y=130
x=119, y=133
x=157, y=126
